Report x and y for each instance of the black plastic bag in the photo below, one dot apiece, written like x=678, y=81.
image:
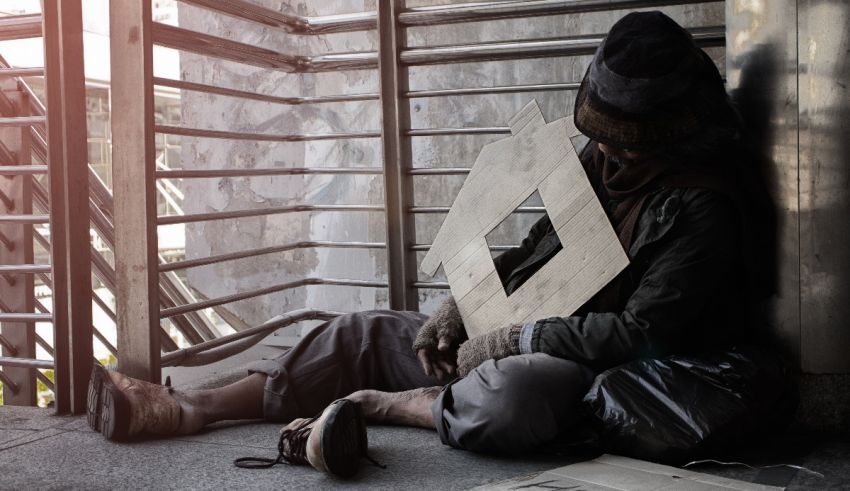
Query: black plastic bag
x=682, y=408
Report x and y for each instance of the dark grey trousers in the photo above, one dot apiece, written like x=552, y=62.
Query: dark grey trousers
x=505, y=406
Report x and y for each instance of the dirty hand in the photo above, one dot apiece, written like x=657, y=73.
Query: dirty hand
x=496, y=344
x=438, y=339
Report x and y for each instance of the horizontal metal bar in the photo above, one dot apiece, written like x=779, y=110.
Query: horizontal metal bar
x=24, y=268
x=225, y=215
x=499, y=89
x=492, y=130
x=25, y=219
x=232, y=256
x=25, y=317
x=204, y=44
x=533, y=48
x=8, y=361
x=20, y=27
x=438, y=171
x=193, y=307
x=274, y=171
x=295, y=24
x=15, y=170
x=22, y=121
x=273, y=324
x=238, y=135
x=212, y=89
x=434, y=285
x=445, y=209
x=22, y=72
x=427, y=247
x=484, y=11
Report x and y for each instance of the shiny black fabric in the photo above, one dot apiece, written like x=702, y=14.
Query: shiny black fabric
x=683, y=408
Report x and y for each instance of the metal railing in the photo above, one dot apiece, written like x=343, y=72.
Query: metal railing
x=72, y=200
x=28, y=171
x=41, y=188
x=133, y=78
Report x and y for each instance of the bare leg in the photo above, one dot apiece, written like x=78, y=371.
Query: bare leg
x=408, y=408
x=239, y=400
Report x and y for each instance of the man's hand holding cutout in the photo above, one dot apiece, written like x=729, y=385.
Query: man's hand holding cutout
x=438, y=340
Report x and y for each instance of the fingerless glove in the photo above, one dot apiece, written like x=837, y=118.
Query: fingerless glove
x=446, y=322
x=494, y=345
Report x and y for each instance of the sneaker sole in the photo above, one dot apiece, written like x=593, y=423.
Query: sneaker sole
x=341, y=432
x=93, y=399
x=108, y=408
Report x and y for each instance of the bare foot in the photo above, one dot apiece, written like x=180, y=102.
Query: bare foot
x=408, y=408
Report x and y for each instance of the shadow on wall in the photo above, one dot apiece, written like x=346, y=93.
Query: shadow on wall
x=760, y=173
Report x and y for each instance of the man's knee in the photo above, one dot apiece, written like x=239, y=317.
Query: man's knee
x=512, y=405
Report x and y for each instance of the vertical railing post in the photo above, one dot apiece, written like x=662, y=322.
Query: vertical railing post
x=398, y=188
x=133, y=168
x=69, y=201
x=16, y=291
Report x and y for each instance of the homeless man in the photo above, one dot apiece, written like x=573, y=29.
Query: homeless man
x=660, y=124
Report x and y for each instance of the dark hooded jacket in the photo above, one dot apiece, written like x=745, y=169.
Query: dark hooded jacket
x=682, y=291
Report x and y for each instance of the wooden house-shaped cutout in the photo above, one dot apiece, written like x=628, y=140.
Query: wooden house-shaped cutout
x=538, y=156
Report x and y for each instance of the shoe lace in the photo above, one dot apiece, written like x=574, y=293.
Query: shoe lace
x=291, y=449
x=292, y=445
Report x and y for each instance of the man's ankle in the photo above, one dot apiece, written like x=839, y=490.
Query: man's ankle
x=194, y=410
x=408, y=408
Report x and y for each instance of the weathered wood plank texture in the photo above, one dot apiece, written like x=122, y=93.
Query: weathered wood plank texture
x=537, y=157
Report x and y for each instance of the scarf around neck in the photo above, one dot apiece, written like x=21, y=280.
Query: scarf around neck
x=627, y=186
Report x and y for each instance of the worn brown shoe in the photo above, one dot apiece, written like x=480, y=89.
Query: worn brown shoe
x=333, y=442
x=120, y=407
x=338, y=439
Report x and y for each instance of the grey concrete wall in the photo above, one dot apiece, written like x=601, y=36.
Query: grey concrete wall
x=442, y=151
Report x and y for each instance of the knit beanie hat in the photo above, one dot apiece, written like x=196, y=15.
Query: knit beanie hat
x=648, y=85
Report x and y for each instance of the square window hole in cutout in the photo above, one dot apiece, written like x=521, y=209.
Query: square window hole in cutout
x=514, y=269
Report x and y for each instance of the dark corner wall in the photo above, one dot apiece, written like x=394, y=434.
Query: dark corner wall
x=788, y=69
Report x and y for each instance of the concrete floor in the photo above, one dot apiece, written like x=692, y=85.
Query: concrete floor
x=42, y=451
x=39, y=450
